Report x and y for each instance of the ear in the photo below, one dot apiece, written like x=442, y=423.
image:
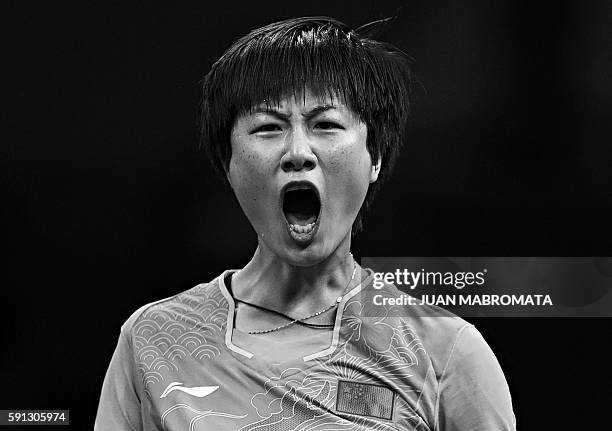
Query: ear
x=375, y=170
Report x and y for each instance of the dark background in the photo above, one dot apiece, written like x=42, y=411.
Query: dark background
x=107, y=204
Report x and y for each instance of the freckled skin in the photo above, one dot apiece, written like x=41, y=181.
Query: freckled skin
x=328, y=149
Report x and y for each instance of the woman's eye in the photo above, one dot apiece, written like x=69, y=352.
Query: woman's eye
x=327, y=125
x=267, y=128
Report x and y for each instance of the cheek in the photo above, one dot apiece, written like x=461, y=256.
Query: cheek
x=349, y=150
x=245, y=166
x=350, y=167
x=248, y=173
x=359, y=179
x=245, y=163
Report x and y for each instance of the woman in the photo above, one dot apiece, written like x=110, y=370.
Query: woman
x=304, y=118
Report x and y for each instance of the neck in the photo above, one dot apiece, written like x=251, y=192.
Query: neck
x=269, y=281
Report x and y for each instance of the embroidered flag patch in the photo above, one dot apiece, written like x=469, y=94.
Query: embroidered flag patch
x=365, y=399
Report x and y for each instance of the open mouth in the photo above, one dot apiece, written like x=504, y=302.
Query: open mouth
x=301, y=207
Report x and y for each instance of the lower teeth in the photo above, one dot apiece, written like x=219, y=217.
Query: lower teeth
x=302, y=229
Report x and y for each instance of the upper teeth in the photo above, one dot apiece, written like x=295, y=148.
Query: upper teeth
x=298, y=187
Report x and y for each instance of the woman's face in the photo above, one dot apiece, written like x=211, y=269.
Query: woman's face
x=300, y=171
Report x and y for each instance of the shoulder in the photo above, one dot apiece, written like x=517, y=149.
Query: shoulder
x=473, y=392
x=203, y=303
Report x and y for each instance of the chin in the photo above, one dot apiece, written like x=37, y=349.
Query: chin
x=314, y=253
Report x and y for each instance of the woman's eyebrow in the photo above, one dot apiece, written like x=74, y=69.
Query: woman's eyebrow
x=273, y=112
x=317, y=110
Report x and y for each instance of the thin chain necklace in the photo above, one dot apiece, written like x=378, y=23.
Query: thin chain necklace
x=300, y=320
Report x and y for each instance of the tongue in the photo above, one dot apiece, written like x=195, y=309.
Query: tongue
x=300, y=218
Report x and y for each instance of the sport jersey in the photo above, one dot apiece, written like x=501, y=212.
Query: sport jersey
x=180, y=365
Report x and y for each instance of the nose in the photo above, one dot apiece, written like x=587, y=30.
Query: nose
x=299, y=155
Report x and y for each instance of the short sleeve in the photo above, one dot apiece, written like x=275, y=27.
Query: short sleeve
x=119, y=408
x=473, y=394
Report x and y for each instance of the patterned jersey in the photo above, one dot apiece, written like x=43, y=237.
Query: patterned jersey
x=180, y=365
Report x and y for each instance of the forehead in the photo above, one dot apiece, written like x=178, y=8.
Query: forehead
x=302, y=101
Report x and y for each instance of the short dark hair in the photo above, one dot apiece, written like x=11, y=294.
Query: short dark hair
x=372, y=78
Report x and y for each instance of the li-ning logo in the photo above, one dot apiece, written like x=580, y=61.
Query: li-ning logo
x=196, y=391
x=365, y=399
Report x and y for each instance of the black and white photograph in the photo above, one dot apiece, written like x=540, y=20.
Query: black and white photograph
x=242, y=216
